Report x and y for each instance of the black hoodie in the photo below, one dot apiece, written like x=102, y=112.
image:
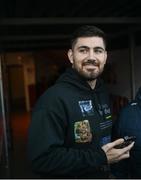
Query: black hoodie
x=129, y=124
x=70, y=123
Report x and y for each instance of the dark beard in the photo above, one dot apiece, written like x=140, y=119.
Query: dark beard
x=90, y=76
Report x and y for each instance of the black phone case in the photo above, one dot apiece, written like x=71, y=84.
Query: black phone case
x=127, y=140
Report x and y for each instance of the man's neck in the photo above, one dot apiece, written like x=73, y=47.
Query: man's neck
x=92, y=83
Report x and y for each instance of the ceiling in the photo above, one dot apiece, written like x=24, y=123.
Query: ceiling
x=33, y=24
x=70, y=8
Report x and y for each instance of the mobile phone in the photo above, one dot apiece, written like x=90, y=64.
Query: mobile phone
x=127, y=140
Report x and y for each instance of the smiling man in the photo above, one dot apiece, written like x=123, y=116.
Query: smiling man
x=88, y=57
x=70, y=131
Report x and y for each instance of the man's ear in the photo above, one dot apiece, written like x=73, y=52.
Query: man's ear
x=70, y=55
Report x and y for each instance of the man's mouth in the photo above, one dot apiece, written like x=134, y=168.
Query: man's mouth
x=91, y=63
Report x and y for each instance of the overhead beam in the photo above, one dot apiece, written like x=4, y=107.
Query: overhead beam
x=50, y=36
x=33, y=37
x=75, y=20
x=33, y=45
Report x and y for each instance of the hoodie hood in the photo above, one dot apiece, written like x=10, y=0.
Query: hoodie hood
x=72, y=77
x=138, y=97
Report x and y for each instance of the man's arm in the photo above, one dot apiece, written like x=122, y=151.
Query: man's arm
x=48, y=154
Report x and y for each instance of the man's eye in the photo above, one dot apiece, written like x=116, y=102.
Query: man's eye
x=83, y=50
x=99, y=51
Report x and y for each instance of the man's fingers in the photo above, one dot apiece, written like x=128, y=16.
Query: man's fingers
x=113, y=154
x=123, y=156
x=125, y=152
x=112, y=144
x=127, y=148
x=118, y=141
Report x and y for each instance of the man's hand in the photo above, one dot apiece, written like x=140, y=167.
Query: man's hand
x=114, y=155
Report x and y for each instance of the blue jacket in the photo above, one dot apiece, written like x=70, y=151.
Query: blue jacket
x=129, y=123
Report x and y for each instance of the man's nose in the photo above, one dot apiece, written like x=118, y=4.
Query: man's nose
x=92, y=55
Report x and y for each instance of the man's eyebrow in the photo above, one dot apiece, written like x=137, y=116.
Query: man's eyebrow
x=83, y=47
x=87, y=47
x=98, y=47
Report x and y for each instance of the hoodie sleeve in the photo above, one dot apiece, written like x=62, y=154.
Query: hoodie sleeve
x=47, y=152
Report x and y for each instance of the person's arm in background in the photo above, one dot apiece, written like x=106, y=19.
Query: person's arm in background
x=120, y=169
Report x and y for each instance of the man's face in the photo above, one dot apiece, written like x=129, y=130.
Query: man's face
x=88, y=56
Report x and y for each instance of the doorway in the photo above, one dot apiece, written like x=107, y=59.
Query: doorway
x=16, y=87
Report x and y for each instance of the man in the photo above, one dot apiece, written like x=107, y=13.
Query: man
x=129, y=124
x=71, y=123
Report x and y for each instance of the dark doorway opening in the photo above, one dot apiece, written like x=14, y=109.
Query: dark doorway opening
x=16, y=87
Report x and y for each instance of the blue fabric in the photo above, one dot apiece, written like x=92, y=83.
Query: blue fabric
x=129, y=123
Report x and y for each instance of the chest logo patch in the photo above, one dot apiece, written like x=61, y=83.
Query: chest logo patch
x=86, y=108
x=82, y=131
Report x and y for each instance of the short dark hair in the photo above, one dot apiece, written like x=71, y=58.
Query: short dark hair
x=87, y=31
